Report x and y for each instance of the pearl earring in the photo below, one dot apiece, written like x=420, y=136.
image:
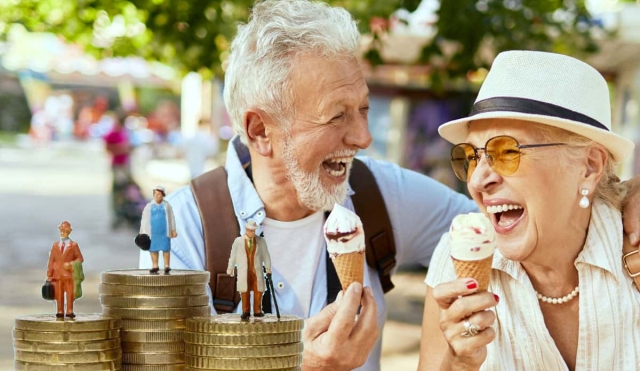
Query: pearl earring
x=584, y=201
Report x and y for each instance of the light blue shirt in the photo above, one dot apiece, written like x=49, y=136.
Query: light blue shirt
x=420, y=209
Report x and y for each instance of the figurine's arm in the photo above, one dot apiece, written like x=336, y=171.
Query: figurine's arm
x=79, y=258
x=232, y=258
x=171, y=220
x=145, y=221
x=50, y=264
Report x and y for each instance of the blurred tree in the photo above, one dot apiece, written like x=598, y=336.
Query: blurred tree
x=195, y=35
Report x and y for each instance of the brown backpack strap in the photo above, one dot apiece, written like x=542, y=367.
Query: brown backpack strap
x=631, y=260
x=370, y=207
x=220, y=228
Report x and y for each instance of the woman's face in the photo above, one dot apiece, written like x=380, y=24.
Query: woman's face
x=541, y=197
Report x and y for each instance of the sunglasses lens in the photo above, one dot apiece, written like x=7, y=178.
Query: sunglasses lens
x=463, y=161
x=504, y=155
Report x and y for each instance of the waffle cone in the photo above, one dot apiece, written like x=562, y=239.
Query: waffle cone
x=350, y=268
x=480, y=270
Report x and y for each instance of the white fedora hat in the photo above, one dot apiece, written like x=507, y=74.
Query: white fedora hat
x=546, y=88
x=251, y=224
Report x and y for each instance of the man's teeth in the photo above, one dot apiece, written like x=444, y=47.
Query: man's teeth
x=502, y=208
x=340, y=159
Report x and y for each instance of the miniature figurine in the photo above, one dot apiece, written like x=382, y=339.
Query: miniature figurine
x=248, y=254
x=159, y=223
x=64, y=271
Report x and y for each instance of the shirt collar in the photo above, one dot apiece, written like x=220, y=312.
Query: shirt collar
x=245, y=198
x=602, y=249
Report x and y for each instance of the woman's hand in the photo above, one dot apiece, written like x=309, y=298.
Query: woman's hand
x=459, y=302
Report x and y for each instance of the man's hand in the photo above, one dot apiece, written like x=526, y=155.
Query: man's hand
x=334, y=339
x=66, y=265
x=174, y=234
x=230, y=272
x=631, y=210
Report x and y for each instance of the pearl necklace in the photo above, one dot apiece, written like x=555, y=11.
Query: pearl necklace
x=561, y=300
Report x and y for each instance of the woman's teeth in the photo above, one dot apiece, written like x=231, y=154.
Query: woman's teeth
x=502, y=208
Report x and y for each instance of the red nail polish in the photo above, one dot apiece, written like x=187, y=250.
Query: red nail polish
x=496, y=297
x=472, y=285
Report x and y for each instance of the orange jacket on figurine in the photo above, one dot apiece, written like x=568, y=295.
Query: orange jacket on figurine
x=57, y=259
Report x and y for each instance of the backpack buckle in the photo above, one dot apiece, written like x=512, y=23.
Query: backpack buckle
x=626, y=264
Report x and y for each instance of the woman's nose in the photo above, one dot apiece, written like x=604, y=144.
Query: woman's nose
x=483, y=177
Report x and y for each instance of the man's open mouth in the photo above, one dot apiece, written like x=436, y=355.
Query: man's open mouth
x=337, y=166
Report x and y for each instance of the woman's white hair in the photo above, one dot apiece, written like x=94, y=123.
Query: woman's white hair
x=261, y=55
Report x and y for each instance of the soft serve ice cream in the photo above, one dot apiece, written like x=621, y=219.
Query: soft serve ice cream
x=473, y=242
x=346, y=244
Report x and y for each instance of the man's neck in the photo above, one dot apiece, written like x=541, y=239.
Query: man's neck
x=277, y=193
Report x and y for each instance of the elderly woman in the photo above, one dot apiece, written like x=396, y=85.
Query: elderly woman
x=539, y=159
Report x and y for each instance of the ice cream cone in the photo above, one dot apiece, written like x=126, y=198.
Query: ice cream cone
x=350, y=268
x=480, y=270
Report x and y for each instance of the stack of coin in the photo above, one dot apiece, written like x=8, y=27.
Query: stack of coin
x=225, y=342
x=153, y=309
x=89, y=342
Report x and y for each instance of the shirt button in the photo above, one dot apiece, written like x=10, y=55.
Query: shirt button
x=260, y=213
x=243, y=213
x=280, y=285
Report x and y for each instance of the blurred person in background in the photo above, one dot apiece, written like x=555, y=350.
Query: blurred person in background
x=119, y=147
x=199, y=147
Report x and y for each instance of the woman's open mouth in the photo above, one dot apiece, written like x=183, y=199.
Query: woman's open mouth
x=506, y=216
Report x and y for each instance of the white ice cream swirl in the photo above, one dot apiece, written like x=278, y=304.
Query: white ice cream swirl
x=343, y=232
x=472, y=237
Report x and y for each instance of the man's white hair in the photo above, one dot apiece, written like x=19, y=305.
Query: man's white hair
x=262, y=53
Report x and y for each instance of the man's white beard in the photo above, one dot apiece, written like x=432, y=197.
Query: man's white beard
x=311, y=192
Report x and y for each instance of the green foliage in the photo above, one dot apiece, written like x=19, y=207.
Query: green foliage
x=194, y=35
x=470, y=27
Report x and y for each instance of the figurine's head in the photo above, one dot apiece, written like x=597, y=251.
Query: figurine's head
x=250, y=228
x=65, y=229
x=158, y=194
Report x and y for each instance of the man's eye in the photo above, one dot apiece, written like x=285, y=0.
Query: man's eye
x=337, y=117
x=364, y=109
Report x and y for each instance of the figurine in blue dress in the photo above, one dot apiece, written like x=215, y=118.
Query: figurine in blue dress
x=159, y=223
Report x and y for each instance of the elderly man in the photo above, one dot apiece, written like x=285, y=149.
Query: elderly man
x=64, y=254
x=299, y=102
x=248, y=254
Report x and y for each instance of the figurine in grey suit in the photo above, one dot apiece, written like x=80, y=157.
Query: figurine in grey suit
x=248, y=253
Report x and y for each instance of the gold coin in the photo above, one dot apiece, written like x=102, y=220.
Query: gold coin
x=152, y=336
x=82, y=322
x=65, y=336
x=187, y=368
x=268, y=363
x=83, y=346
x=159, y=302
x=76, y=357
x=152, y=358
x=152, y=291
x=156, y=313
x=142, y=277
x=243, y=339
x=176, y=367
x=148, y=347
x=101, y=366
x=153, y=325
x=233, y=324
x=243, y=351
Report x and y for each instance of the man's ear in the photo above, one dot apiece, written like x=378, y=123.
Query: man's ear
x=256, y=123
x=596, y=159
